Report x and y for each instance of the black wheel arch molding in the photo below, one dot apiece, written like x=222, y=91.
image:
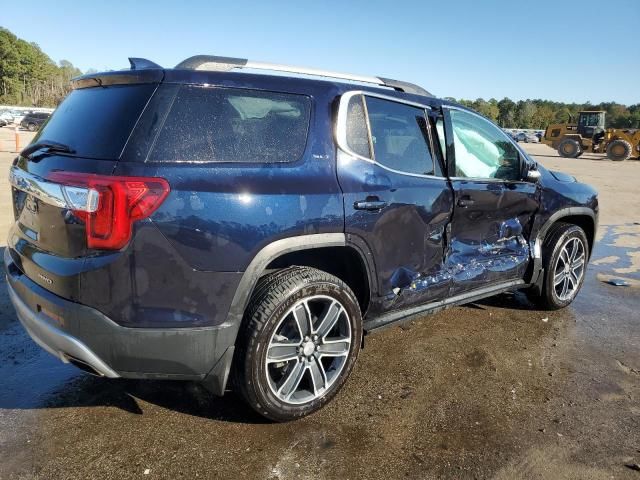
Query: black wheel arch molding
x=254, y=271
x=538, y=239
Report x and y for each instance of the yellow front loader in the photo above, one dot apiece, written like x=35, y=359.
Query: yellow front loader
x=589, y=135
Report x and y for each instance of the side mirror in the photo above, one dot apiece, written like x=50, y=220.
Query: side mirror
x=533, y=174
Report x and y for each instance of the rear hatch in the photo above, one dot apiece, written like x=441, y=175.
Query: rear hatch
x=58, y=182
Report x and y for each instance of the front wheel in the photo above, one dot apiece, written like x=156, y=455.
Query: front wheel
x=565, y=253
x=569, y=148
x=619, y=150
x=298, y=343
x=32, y=127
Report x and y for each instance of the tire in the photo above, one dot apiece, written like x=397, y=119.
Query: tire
x=32, y=127
x=557, y=248
x=619, y=150
x=274, y=327
x=569, y=148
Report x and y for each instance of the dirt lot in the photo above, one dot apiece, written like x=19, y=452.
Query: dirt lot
x=491, y=390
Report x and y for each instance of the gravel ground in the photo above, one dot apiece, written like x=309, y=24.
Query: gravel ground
x=495, y=389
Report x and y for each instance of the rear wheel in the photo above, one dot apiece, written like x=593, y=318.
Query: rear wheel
x=619, y=150
x=565, y=253
x=569, y=148
x=299, y=341
x=32, y=127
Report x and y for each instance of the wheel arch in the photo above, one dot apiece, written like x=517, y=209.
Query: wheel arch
x=330, y=252
x=584, y=217
x=342, y=262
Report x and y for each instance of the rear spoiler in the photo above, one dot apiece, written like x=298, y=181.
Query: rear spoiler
x=142, y=71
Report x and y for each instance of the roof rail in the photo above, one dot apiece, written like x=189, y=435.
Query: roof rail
x=225, y=64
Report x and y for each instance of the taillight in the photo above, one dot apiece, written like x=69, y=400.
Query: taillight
x=109, y=205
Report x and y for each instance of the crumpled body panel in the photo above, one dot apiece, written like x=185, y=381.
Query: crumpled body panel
x=498, y=258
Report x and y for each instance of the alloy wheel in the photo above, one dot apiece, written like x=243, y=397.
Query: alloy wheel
x=308, y=349
x=569, y=269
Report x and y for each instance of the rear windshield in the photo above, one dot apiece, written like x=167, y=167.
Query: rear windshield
x=207, y=124
x=96, y=122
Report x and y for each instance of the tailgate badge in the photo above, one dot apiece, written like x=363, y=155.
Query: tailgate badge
x=45, y=279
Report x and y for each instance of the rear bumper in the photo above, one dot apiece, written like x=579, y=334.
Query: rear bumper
x=56, y=341
x=85, y=337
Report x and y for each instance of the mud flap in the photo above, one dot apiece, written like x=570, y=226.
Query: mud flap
x=216, y=379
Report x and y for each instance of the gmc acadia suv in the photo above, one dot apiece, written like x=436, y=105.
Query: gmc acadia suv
x=212, y=221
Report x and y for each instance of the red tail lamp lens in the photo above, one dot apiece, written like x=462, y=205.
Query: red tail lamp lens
x=121, y=201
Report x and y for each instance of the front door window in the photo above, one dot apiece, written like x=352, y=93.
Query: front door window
x=482, y=150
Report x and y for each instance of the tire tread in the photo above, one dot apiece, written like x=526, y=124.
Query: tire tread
x=268, y=294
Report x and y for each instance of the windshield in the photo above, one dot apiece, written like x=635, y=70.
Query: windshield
x=96, y=122
x=590, y=119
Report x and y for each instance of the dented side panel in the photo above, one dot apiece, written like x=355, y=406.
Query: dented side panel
x=407, y=237
x=490, y=230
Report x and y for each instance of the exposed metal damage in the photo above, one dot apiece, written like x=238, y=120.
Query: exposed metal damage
x=465, y=261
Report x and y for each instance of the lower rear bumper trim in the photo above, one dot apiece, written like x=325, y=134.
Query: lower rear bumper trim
x=54, y=340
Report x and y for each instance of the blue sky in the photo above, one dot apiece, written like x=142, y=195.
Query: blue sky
x=559, y=50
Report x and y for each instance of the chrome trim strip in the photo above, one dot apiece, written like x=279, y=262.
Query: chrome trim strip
x=341, y=129
x=47, y=191
x=53, y=193
x=486, y=179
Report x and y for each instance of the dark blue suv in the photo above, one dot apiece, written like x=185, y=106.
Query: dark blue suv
x=215, y=223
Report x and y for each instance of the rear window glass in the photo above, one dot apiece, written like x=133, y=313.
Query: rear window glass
x=208, y=124
x=357, y=134
x=96, y=122
x=400, y=136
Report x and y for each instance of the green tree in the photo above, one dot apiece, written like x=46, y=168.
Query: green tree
x=525, y=114
x=488, y=109
x=507, y=113
x=28, y=76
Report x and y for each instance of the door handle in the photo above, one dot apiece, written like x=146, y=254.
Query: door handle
x=465, y=201
x=371, y=205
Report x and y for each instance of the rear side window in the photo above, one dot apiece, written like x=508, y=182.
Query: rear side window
x=96, y=122
x=400, y=136
x=233, y=125
x=357, y=134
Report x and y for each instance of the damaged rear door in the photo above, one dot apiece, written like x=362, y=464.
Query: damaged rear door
x=493, y=205
x=396, y=198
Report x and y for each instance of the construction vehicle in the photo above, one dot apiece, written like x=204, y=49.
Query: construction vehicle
x=589, y=135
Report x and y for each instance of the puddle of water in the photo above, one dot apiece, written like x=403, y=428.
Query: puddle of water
x=29, y=374
x=617, y=254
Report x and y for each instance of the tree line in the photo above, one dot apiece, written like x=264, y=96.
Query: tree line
x=537, y=114
x=28, y=77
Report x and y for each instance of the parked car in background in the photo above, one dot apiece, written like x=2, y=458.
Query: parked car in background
x=526, y=137
x=19, y=115
x=33, y=121
x=8, y=116
x=253, y=235
x=3, y=122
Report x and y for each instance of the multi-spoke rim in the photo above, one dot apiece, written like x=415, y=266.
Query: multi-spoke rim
x=569, y=269
x=308, y=349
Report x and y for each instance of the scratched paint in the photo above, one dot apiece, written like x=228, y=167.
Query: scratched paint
x=466, y=262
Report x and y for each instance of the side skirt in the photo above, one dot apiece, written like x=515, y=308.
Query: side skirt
x=406, y=315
